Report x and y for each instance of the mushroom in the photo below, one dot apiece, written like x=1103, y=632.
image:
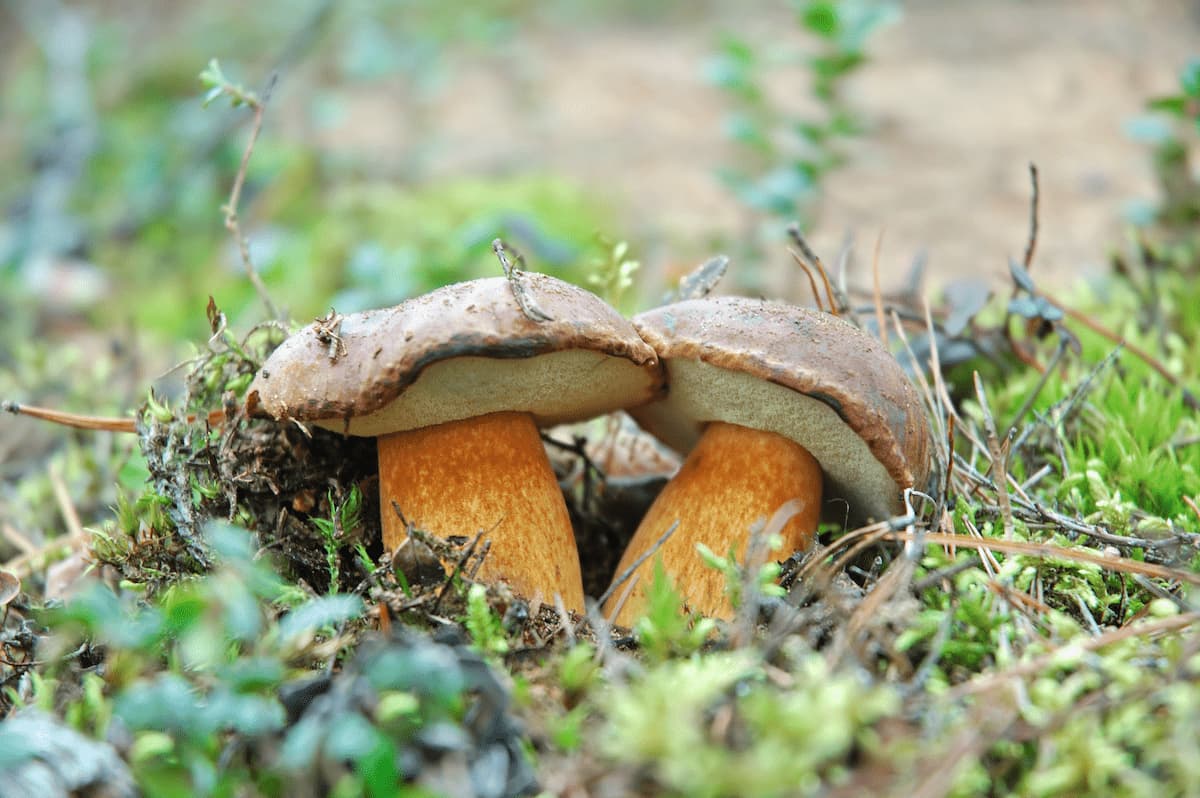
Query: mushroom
x=10, y=587
x=771, y=403
x=455, y=384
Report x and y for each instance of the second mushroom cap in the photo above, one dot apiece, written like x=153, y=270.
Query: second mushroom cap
x=804, y=374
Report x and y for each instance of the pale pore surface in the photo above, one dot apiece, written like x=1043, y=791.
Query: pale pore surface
x=700, y=393
x=555, y=388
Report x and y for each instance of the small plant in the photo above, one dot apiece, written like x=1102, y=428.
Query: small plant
x=1173, y=144
x=764, y=582
x=612, y=272
x=677, y=721
x=485, y=626
x=344, y=520
x=784, y=157
x=213, y=79
x=578, y=670
x=666, y=630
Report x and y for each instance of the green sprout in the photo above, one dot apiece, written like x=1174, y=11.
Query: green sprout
x=485, y=626
x=666, y=630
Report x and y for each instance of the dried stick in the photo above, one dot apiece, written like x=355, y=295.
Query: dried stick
x=878, y=295
x=812, y=281
x=998, y=454
x=74, y=420
x=1031, y=244
x=259, y=104
x=520, y=290
x=628, y=572
x=838, y=303
x=1189, y=398
x=102, y=423
x=1046, y=550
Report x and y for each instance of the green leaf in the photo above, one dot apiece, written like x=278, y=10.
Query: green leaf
x=165, y=703
x=1190, y=79
x=211, y=95
x=252, y=674
x=252, y=715
x=325, y=611
x=428, y=671
x=301, y=744
x=1174, y=104
x=821, y=17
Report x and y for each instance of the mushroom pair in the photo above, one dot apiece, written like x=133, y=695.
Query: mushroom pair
x=772, y=403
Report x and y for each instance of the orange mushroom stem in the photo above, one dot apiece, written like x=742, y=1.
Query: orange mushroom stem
x=489, y=474
x=733, y=477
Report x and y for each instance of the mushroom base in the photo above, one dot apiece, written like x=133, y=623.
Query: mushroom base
x=733, y=477
x=488, y=473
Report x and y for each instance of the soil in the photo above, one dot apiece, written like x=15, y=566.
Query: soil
x=959, y=99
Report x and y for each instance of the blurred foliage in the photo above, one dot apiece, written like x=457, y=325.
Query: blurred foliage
x=237, y=654
x=1173, y=130
x=127, y=187
x=786, y=152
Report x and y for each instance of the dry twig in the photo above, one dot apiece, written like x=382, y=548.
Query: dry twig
x=230, y=209
x=520, y=290
x=839, y=304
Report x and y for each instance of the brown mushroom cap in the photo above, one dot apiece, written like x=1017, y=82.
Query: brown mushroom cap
x=10, y=587
x=803, y=374
x=461, y=351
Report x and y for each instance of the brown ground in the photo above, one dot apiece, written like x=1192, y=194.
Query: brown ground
x=961, y=97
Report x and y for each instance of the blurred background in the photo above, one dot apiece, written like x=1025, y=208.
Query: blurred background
x=401, y=137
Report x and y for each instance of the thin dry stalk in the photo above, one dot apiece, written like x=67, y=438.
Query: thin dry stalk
x=878, y=292
x=838, y=303
x=1048, y=550
x=812, y=281
x=99, y=423
x=987, y=682
x=628, y=572
x=232, y=223
x=66, y=507
x=458, y=567
x=896, y=579
x=624, y=597
x=998, y=454
x=988, y=558
x=520, y=289
x=817, y=572
x=17, y=539
x=1031, y=244
x=1191, y=504
x=757, y=551
x=73, y=420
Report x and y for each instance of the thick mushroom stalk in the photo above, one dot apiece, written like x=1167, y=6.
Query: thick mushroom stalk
x=733, y=477
x=489, y=474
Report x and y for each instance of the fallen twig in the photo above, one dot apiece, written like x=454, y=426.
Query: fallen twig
x=520, y=290
x=987, y=682
x=628, y=572
x=1189, y=398
x=1047, y=550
